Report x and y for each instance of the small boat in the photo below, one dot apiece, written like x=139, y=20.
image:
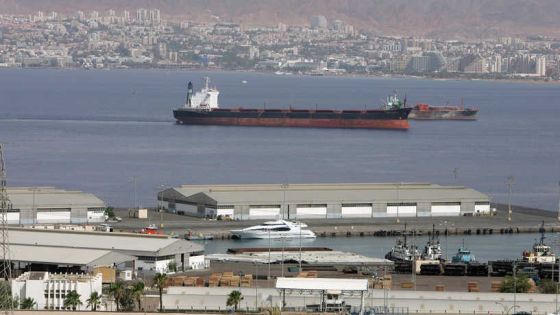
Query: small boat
x=151, y=229
x=541, y=253
x=274, y=229
x=198, y=236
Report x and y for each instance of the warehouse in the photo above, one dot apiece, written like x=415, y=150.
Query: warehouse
x=302, y=201
x=154, y=253
x=48, y=205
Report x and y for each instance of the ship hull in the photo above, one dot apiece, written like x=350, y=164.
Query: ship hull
x=416, y=114
x=377, y=119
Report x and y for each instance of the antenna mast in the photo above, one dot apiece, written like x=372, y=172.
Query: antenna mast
x=6, y=304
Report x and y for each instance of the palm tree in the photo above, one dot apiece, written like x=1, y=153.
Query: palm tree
x=72, y=300
x=116, y=291
x=27, y=304
x=234, y=298
x=94, y=300
x=160, y=280
x=138, y=292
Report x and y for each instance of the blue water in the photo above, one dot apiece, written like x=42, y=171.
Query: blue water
x=95, y=130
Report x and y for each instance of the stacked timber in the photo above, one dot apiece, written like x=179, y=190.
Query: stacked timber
x=214, y=279
x=246, y=281
x=495, y=286
x=472, y=286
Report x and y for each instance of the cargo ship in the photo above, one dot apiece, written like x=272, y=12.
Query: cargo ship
x=428, y=112
x=201, y=108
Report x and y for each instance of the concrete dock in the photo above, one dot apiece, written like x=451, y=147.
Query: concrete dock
x=523, y=220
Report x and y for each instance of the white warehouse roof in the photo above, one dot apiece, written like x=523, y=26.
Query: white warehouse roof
x=343, y=192
x=129, y=243
x=66, y=256
x=322, y=284
x=50, y=197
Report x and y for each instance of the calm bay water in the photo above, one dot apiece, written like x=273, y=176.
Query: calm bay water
x=95, y=130
x=484, y=247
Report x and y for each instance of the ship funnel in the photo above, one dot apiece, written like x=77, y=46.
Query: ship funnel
x=189, y=94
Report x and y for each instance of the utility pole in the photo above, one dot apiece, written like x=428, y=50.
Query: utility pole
x=558, y=208
x=398, y=203
x=510, y=181
x=6, y=304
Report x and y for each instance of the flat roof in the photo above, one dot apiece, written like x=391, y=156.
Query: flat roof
x=322, y=284
x=66, y=256
x=351, y=193
x=127, y=243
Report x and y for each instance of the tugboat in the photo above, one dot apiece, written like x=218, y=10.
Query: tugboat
x=464, y=256
x=402, y=252
x=432, y=250
x=541, y=252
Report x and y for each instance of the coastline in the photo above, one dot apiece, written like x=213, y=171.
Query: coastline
x=347, y=75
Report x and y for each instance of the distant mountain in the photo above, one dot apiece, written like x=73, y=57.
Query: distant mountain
x=437, y=18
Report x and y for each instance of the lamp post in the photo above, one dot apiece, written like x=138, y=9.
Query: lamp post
x=509, y=183
x=161, y=205
x=268, y=278
x=398, y=203
x=514, y=287
x=558, y=206
x=256, y=284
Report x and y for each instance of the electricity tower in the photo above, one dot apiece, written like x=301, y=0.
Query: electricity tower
x=6, y=304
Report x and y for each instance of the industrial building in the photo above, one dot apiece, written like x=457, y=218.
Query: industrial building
x=330, y=201
x=49, y=290
x=151, y=253
x=48, y=205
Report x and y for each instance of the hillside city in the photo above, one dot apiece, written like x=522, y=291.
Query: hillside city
x=145, y=39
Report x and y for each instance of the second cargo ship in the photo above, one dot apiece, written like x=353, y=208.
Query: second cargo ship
x=201, y=108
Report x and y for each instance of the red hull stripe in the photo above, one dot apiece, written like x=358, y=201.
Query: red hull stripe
x=290, y=122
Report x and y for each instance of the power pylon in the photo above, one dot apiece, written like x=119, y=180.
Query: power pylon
x=6, y=304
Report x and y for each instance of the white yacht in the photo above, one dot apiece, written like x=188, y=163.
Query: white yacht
x=275, y=229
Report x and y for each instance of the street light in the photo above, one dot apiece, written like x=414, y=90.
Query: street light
x=161, y=204
x=398, y=203
x=509, y=183
x=558, y=210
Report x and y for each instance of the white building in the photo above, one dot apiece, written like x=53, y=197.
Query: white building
x=153, y=253
x=49, y=290
x=541, y=66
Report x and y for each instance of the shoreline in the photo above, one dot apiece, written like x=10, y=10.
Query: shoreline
x=349, y=75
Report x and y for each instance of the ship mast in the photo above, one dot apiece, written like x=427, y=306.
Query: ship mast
x=188, y=104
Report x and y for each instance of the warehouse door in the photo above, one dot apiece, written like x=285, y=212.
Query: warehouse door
x=225, y=212
x=357, y=210
x=53, y=215
x=264, y=212
x=446, y=209
x=12, y=217
x=311, y=211
x=403, y=209
x=482, y=207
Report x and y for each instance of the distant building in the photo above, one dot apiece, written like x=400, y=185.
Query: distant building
x=540, y=66
x=318, y=22
x=49, y=290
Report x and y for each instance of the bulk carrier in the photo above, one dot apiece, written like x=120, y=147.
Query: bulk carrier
x=201, y=108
